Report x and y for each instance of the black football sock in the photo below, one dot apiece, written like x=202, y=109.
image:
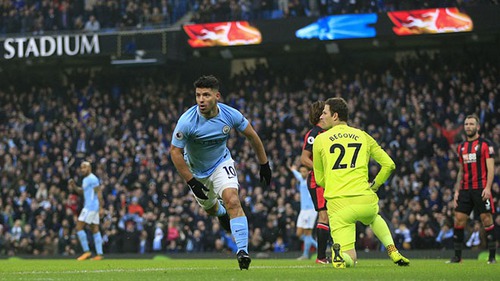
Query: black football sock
x=458, y=240
x=490, y=240
x=323, y=233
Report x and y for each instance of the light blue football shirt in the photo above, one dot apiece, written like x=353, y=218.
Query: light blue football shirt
x=204, y=140
x=90, y=199
x=306, y=202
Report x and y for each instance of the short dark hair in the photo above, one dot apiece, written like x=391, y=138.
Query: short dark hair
x=207, y=81
x=315, y=111
x=338, y=105
x=472, y=116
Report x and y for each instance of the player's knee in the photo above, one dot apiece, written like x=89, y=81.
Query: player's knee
x=460, y=220
x=486, y=220
x=233, y=203
x=79, y=226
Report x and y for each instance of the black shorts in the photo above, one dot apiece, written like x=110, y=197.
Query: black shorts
x=317, y=194
x=471, y=199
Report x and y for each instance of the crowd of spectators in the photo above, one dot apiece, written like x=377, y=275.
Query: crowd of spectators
x=41, y=16
x=416, y=108
x=228, y=10
x=36, y=17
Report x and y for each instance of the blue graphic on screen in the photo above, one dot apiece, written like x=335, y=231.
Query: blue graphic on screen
x=340, y=27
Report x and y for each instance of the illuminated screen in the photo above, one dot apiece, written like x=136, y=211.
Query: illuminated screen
x=222, y=34
x=429, y=21
x=340, y=27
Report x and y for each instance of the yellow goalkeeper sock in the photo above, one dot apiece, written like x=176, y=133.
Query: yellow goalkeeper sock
x=391, y=248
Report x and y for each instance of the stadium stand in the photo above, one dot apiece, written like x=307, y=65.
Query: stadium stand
x=37, y=17
x=122, y=121
x=125, y=130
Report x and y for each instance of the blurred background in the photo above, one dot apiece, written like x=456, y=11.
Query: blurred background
x=106, y=80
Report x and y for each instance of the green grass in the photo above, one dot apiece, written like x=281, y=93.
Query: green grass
x=225, y=269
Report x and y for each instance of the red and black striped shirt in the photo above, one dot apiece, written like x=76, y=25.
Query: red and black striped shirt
x=309, y=138
x=472, y=156
x=308, y=144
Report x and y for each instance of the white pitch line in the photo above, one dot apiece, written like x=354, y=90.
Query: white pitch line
x=150, y=269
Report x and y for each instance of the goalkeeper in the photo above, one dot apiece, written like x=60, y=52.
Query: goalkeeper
x=341, y=156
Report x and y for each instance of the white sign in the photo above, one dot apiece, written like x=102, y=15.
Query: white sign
x=46, y=46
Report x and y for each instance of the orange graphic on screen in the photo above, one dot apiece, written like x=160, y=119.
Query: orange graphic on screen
x=441, y=20
x=222, y=34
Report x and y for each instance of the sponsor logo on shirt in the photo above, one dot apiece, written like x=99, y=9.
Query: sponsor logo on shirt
x=209, y=142
x=469, y=158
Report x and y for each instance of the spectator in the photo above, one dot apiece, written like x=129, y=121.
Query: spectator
x=474, y=240
x=157, y=18
x=135, y=208
x=279, y=245
x=50, y=21
x=445, y=237
x=92, y=25
x=256, y=241
x=137, y=110
x=197, y=241
x=16, y=231
x=368, y=242
x=403, y=237
x=158, y=238
x=65, y=15
x=173, y=236
x=78, y=23
x=129, y=240
x=143, y=242
x=52, y=15
x=426, y=236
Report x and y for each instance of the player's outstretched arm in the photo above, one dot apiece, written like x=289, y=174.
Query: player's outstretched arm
x=295, y=172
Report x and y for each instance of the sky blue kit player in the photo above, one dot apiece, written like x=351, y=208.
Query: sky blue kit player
x=204, y=140
x=200, y=154
x=306, y=202
x=91, y=200
x=307, y=215
x=92, y=206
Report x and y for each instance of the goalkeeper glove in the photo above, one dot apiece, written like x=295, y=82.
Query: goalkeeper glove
x=265, y=173
x=198, y=188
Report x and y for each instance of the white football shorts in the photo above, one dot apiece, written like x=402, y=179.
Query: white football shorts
x=223, y=177
x=89, y=217
x=307, y=219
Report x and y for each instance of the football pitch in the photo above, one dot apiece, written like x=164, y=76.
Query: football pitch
x=226, y=269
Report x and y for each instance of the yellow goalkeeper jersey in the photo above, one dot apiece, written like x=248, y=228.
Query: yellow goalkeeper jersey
x=341, y=156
